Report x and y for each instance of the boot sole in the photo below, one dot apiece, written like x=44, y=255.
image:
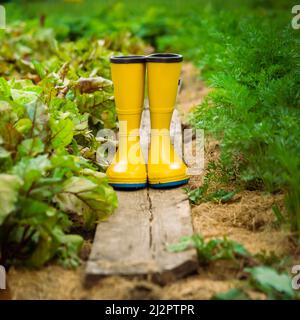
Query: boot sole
x=168, y=184
x=128, y=186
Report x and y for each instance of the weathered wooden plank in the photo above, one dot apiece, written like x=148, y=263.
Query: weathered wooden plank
x=121, y=244
x=171, y=220
x=135, y=238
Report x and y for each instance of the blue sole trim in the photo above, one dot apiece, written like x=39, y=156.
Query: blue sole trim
x=128, y=186
x=168, y=184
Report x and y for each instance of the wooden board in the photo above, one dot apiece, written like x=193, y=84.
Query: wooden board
x=134, y=240
x=171, y=220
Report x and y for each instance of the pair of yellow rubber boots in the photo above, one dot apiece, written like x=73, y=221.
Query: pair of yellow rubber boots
x=165, y=168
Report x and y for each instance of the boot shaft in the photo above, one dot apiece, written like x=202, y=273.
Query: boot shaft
x=128, y=76
x=163, y=78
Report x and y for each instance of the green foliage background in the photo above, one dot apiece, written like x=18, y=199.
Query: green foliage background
x=55, y=94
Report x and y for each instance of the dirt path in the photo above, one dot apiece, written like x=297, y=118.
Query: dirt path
x=248, y=220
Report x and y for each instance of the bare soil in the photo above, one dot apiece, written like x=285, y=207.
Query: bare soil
x=248, y=219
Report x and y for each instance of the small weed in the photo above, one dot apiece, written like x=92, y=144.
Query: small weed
x=198, y=195
x=211, y=250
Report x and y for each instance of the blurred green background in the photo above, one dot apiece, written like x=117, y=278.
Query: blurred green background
x=246, y=51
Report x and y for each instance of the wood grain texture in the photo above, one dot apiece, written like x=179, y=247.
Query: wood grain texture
x=121, y=244
x=171, y=220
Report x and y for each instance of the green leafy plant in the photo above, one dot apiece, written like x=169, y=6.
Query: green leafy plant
x=43, y=181
x=275, y=285
x=201, y=194
x=211, y=250
x=49, y=177
x=254, y=109
x=232, y=294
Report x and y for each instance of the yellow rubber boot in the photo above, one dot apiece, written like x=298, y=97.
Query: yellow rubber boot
x=128, y=168
x=165, y=167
